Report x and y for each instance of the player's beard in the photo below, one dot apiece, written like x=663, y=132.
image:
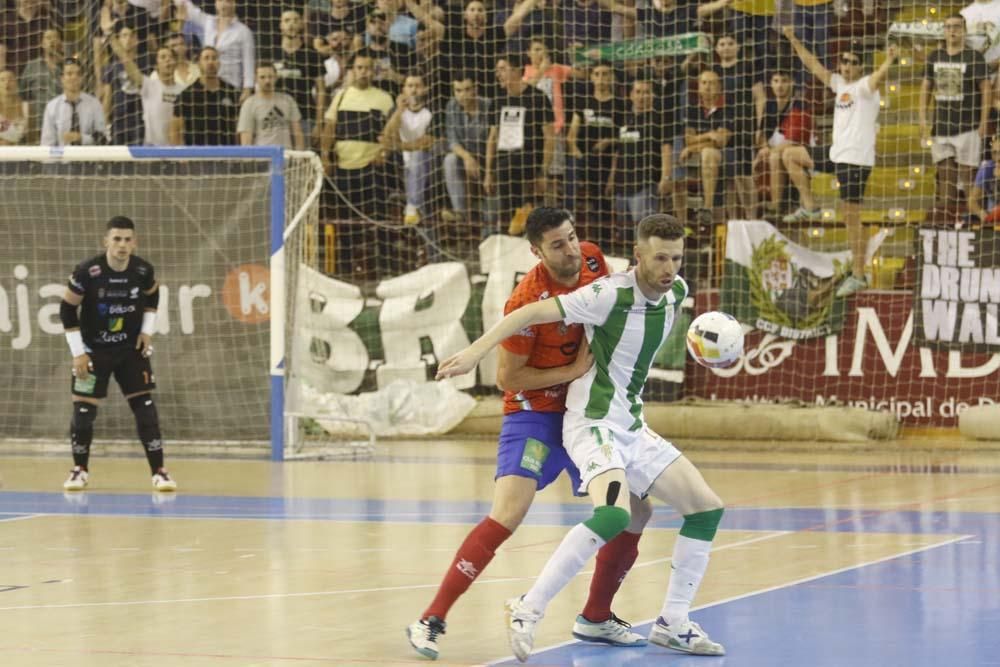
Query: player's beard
x=569, y=268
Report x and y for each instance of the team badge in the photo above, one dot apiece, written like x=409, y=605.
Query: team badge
x=592, y=263
x=133, y=293
x=94, y=271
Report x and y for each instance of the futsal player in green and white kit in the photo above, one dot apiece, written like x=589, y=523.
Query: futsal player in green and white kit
x=626, y=318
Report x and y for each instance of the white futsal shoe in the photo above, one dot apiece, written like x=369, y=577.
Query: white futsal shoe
x=77, y=480
x=613, y=631
x=687, y=637
x=521, y=623
x=162, y=481
x=423, y=635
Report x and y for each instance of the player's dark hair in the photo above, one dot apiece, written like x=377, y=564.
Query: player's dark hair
x=120, y=222
x=660, y=225
x=266, y=64
x=541, y=220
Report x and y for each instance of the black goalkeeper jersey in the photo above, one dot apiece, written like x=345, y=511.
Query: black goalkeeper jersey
x=113, y=301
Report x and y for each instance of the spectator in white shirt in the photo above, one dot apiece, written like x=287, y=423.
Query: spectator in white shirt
x=229, y=36
x=157, y=97
x=74, y=118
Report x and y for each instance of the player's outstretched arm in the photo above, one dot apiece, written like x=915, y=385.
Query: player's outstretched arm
x=539, y=312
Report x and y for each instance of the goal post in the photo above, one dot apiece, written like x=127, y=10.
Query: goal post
x=214, y=221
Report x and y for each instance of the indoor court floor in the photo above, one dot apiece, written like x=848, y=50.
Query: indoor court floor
x=826, y=558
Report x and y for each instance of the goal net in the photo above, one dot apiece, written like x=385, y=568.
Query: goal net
x=211, y=221
x=442, y=124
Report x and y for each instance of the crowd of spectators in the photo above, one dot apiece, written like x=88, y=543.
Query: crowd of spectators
x=472, y=113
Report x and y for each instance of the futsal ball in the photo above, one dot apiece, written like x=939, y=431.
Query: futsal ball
x=715, y=339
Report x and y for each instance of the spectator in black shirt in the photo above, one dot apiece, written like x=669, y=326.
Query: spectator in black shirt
x=643, y=157
x=595, y=114
x=300, y=70
x=207, y=112
x=708, y=132
x=473, y=47
x=958, y=78
x=521, y=141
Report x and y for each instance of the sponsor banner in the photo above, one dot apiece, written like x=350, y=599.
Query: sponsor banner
x=643, y=49
x=959, y=272
x=780, y=287
x=347, y=342
x=875, y=362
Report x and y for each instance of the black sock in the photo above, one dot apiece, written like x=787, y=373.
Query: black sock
x=147, y=425
x=81, y=432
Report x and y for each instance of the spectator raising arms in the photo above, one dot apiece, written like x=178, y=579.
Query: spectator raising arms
x=853, y=150
x=233, y=41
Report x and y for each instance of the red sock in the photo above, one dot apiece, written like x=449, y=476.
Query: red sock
x=614, y=560
x=471, y=559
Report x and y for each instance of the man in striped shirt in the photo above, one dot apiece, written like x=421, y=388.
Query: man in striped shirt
x=626, y=318
x=535, y=366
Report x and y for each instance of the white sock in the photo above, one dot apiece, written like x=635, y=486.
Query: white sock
x=580, y=545
x=689, y=563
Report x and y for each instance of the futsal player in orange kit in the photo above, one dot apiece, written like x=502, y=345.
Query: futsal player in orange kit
x=535, y=367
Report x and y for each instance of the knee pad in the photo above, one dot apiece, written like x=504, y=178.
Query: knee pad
x=84, y=415
x=147, y=421
x=608, y=521
x=702, y=525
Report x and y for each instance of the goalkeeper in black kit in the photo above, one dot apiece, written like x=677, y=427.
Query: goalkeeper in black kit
x=109, y=313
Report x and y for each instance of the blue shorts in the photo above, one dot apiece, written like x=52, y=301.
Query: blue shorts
x=530, y=445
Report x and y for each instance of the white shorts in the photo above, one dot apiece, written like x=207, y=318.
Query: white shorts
x=965, y=148
x=597, y=446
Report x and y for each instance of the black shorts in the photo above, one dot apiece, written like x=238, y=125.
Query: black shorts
x=852, y=178
x=132, y=371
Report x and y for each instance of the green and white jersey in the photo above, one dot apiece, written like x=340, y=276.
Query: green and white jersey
x=624, y=330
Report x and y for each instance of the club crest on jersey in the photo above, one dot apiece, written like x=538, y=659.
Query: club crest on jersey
x=544, y=295
x=133, y=293
x=592, y=263
x=94, y=271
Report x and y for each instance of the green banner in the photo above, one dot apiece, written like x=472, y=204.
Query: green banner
x=643, y=49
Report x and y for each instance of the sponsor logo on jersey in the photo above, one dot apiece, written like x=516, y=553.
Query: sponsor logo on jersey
x=100, y=292
x=133, y=293
x=72, y=281
x=120, y=309
x=117, y=281
x=116, y=324
x=141, y=270
x=544, y=295
x=106, y=337
x=94, y=271
x=593, y=264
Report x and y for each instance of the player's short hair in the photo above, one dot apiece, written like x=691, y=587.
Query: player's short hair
x=660, y=225
x=541, y=220
x=120, y=222
x=266, y=64
x=956, y=15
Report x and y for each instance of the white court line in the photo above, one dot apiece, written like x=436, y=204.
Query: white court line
x=386, y=589
x=762, y=591
x=19, y=517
